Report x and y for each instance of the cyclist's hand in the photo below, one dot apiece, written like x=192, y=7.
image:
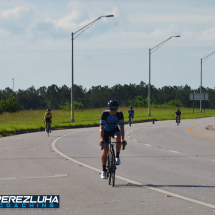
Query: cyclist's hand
x=124, y=142
x=101, y=142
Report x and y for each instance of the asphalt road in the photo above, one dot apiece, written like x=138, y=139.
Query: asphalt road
x=169, y=168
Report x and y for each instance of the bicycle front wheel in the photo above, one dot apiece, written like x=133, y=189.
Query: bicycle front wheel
x=113, y=168
x=109, y=169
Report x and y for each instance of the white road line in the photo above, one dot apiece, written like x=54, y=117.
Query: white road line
x=134, y=140
x=147, y=145
x=131, y=181
x=173, y=151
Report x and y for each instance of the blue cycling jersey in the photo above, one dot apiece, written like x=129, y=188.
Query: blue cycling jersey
x=131, y=112
x=111, y=122
x=178, y=113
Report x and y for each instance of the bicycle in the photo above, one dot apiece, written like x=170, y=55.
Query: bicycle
x=48, y=128
x=111, y=162
x=130, y=120
x=177, y=121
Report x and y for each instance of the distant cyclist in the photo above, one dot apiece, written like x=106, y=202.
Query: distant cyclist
x=131, y=115
x=110, y=119
x=178, y=114
x=48, y=118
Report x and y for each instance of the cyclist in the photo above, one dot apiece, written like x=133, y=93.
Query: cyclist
x=131, y=115
x=48, y=118
x=178, y=114
x=110, y=119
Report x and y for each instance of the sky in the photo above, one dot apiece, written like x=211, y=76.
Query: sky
x=35, y=42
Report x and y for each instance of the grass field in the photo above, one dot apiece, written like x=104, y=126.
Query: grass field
x=33, y=119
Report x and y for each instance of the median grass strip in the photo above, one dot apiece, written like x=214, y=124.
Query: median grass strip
x=33, y=119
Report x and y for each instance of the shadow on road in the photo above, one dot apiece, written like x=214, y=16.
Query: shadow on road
x=159, y=186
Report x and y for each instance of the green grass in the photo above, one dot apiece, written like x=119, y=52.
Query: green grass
x=33, y=119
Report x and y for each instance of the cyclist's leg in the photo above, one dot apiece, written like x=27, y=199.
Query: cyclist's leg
x=104, y=154
x=45, y=125
x=117, y=138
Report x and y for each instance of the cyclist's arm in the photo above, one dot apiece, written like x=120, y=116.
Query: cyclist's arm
x=121, y=126
x=102, y=132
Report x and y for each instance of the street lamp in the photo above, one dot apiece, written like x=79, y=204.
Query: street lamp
x=202, y=60
x=13, y=84
x=155, y=48
x=72, y=71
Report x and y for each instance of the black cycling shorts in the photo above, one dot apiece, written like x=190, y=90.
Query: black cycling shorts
x=48, y=120
x=108, y=134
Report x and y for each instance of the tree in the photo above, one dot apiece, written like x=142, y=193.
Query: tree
x=9, y=105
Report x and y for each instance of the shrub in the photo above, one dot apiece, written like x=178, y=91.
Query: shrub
x=9, y=105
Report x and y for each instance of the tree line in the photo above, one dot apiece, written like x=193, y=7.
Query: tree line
x=55, y=97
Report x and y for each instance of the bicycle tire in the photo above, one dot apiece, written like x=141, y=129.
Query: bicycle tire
x=113, y=168
x=47, y=129
x=109, y=169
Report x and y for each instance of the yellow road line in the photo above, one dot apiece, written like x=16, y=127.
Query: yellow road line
x=189, y=129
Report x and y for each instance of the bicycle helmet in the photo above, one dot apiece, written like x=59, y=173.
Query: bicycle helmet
x=113, y=104
x=178, y=109
x=48, y=110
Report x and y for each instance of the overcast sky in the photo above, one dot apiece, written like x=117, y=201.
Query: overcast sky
x=35, y=42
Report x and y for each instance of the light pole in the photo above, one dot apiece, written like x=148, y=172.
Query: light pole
x=13, y=83
x=149, y=86
x=72, y=71
x=202, y=60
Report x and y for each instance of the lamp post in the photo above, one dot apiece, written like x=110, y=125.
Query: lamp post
x=149, y=86
x=72, y=70
x=202, y=60
x=13, y=83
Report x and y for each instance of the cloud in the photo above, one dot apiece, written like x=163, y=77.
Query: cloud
x=15, y=13
x=4, y=33
x=172, y=18
x=208, y=34
x=66, y=22
x=16, y=20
